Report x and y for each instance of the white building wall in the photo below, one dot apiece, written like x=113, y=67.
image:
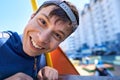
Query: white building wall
x=96, y=14
x=87, y=27
x=98, y=24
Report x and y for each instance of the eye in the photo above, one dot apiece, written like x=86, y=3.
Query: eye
x=42, y=21
x=58, y=36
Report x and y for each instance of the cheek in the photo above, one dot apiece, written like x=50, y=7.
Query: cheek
x=31, y=25
x=25, y=41
x=24, y=46
x=54, y=45
x=26, y=29
x=25, y=35
x=29, y=28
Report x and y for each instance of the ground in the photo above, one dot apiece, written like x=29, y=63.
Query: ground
x=88, y=70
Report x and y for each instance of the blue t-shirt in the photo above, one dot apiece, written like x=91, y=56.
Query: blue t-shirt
x=13, y=59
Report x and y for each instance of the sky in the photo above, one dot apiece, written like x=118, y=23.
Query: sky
x=14, y=14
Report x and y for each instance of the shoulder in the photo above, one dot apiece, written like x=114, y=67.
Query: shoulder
x=8, y=34
x=4, y=36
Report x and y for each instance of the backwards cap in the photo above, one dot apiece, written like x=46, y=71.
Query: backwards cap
x=67, y=10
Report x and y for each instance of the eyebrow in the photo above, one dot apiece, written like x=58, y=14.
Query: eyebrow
x=57, y=20
x=46, y=16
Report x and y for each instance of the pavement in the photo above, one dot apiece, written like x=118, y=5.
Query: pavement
x=88, y=70
x=116, y=70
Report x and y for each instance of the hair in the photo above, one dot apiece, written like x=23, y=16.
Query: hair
x=60, y=13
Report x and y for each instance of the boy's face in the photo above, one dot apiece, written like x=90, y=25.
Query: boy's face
x=43, y=34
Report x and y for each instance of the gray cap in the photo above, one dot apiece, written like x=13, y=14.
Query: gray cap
x=68, y=11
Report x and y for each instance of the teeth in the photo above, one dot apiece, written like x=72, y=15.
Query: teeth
x=35, y=45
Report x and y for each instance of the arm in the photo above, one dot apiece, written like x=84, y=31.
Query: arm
x=19, y=76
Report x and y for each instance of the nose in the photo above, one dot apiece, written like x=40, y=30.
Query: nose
x=44, y=37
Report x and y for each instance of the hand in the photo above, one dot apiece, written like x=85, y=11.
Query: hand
x=19, y=76
x=48, y=73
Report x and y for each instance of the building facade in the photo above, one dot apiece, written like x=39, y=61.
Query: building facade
x=99, y=25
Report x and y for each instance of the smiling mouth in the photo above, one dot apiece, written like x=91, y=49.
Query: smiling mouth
x=34, y=44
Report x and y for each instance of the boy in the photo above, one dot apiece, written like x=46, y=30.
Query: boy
x=22, y=56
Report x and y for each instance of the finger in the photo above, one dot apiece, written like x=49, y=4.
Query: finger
x=51, y=75
x=55, y=75
x=40, y=76
x=44, y=74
